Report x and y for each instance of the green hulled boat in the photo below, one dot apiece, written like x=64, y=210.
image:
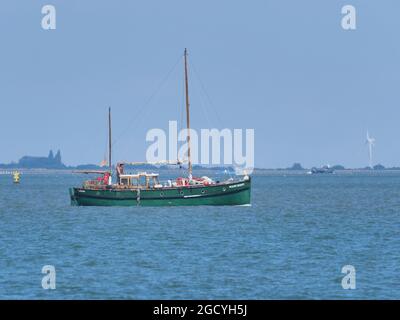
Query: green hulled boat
x=222, y=193
x=144, y=189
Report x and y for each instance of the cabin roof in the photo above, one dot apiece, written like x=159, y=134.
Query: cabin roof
x=91, y=171
x=138, y=175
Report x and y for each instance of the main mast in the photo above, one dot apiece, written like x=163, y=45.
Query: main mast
x=187, y=115
x=109, y=139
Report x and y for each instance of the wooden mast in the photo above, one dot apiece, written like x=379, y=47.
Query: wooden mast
x=109, y=139
x=187, y=115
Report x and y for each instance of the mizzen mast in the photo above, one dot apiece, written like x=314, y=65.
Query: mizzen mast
x=109, y=139
x=187, y=115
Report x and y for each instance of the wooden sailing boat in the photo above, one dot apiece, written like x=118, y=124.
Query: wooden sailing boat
x=144, y=189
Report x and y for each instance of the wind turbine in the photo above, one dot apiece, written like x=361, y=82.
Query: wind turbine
x=371, y=142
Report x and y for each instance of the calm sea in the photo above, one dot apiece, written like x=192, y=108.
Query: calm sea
x=291, y=243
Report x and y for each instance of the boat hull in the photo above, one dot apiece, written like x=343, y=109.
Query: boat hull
x=234, y=193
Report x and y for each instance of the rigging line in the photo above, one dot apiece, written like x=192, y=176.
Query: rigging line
x=206, y=93
x=182, y=108
x=105, y=148
x=203, y=105
x=203, y=99
x=96, y=149
x=146, y=104
x=200, y=97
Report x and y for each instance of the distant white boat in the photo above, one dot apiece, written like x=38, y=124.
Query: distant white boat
x=322, y=170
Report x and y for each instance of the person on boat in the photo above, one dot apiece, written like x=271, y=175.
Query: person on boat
x=106, y=178
x=120, y=170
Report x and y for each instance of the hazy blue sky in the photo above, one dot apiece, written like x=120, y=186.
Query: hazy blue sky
x=285, y=68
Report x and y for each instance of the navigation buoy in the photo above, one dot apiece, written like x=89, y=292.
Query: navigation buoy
x=16, y=176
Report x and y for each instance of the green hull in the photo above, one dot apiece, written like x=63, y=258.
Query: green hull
x=232, y=193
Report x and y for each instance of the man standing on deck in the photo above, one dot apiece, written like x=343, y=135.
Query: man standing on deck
x=120, y=171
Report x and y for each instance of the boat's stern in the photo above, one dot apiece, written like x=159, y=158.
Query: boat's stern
x=245, y=196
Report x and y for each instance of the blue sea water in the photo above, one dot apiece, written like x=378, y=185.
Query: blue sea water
x=290, y=244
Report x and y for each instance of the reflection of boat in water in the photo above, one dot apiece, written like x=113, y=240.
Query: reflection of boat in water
x=145, y=189
x=322, y=170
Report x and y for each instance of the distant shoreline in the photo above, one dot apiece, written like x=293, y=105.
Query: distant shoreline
x=54, y=162
x=256, y=171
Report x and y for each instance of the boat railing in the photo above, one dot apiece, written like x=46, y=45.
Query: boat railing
x=93, y=183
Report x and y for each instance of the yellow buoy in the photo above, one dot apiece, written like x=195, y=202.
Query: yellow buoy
x=16, y=176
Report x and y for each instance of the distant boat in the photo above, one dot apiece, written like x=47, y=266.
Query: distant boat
x=144, y=189
x=322, y=170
